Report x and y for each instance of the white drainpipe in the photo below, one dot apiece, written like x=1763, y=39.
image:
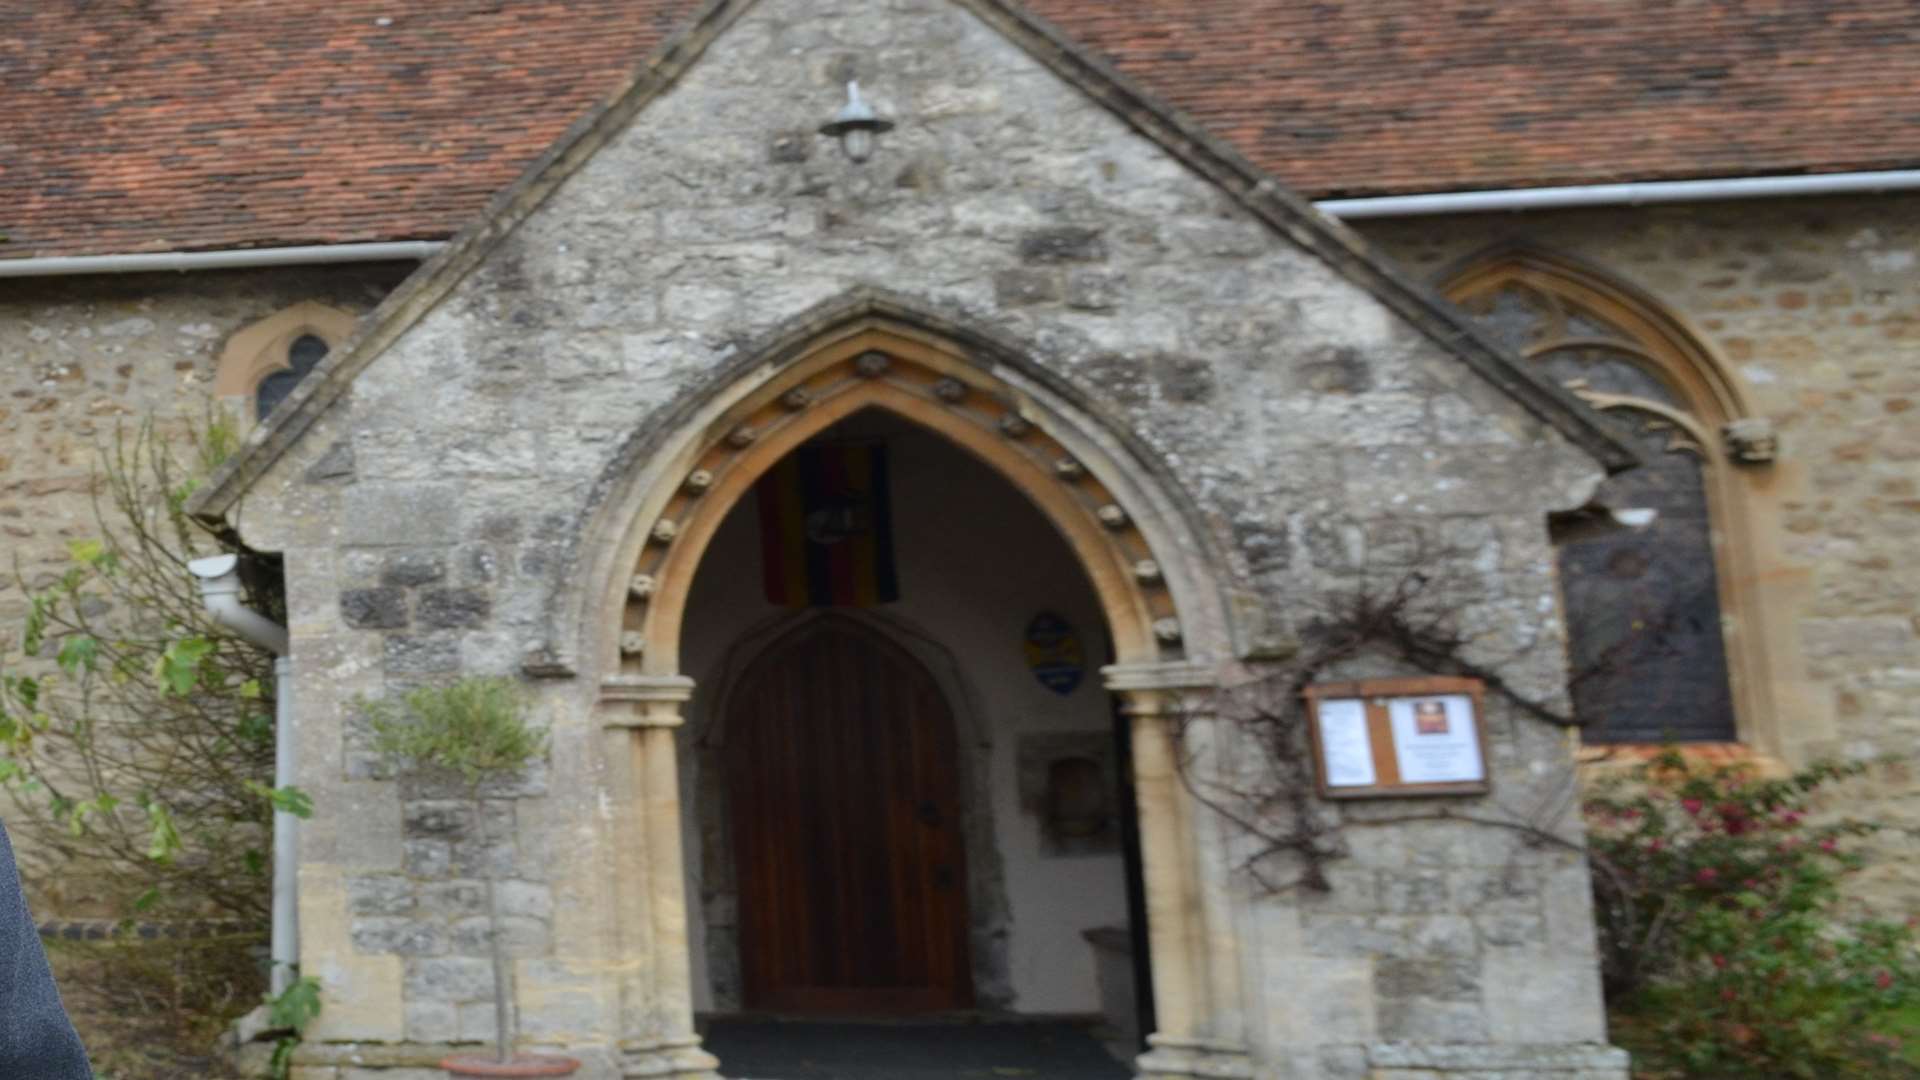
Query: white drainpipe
x=220, y=592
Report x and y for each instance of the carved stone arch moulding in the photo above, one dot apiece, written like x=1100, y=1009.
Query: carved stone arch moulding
x=1161, y=573
x=879, y=370
x=260, y=349
x=1777, y=709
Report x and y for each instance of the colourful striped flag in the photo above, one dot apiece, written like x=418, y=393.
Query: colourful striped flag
x=826, y=528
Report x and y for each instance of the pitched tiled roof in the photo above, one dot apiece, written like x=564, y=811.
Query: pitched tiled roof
x=163, y=125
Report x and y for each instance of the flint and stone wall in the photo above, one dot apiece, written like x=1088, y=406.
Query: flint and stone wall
x=423, y=516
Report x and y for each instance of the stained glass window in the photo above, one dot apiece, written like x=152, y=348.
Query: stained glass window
x=1647, y=661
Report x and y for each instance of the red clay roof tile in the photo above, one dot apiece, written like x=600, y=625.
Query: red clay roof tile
x=163, y=125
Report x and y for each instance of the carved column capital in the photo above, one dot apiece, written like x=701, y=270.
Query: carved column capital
x=655, y=700
x=1160, y=689
x=1168, y=675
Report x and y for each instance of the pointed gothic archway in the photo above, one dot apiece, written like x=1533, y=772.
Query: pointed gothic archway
x=1158, y=592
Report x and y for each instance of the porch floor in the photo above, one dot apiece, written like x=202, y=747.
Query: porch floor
x=759, y=1048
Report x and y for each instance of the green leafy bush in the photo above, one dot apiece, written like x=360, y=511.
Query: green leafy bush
x=136, y=735
x=1727, y=947
x=137, y=746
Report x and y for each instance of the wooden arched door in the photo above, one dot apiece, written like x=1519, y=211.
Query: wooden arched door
x=843, y=791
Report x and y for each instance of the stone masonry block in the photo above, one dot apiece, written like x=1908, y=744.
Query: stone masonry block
x=1432, y=1020
x=528, y=899
x=1406, y=936
x=451, y=979
x=411, y=568
x=1095, y=290
x=1511, y=931
x=382, y=894
x=425, y=860
x=1540, y=997
x=420, y=654
x=437, y=819
x=521, y=936
x=374, y=609
x=1062, y=244
x=398, y=936
x=1444, y=980
x=1414, y=892
x=477, y=1022
x=1020, y=288
x=432, y=1021
x=452, y=899
x=395, y=514
x=445, y=609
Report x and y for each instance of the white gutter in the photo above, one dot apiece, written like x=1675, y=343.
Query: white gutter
x=238, y=258
x=220, y=592
x=1452, y=202
x=1637, y=194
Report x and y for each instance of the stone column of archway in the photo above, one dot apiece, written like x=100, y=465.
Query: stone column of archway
x=689, y=487
x=640, y=715
x=1191, y=932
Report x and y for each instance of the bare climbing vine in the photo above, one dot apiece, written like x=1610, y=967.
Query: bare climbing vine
x=1270, y=796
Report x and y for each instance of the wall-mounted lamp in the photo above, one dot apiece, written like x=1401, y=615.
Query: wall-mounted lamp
x=855, y=125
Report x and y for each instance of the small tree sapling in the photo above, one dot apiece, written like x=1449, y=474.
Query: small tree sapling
x=477, y=729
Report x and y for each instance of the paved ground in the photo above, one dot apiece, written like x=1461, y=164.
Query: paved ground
x=754, y=1049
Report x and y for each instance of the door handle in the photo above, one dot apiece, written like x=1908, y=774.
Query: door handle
x=930, y=815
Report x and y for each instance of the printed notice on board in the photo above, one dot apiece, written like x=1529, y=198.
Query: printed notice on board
x=1345, y=750
x=1434, y=739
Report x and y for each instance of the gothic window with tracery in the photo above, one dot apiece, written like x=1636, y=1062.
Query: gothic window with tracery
x=263, y=362
x=1647, y=651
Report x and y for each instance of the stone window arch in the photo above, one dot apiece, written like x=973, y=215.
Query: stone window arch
x=1677, y=629
x=263, y=362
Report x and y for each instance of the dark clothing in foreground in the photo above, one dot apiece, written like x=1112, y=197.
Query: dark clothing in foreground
x=37, y=1041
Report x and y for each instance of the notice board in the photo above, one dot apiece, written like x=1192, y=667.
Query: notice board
x=1394, y=738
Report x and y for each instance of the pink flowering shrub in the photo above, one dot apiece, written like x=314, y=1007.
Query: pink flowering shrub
x=1727, y=948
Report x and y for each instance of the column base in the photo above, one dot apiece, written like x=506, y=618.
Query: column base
x=1174, y=1058
x=670, y=1059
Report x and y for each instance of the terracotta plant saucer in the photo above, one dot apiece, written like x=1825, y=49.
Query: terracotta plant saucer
x=520, y=1065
